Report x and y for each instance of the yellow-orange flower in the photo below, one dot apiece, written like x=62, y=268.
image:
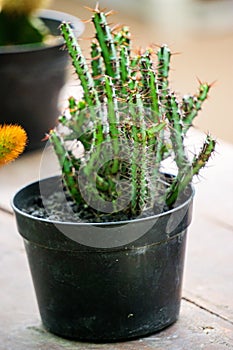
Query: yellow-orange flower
x=13, y=139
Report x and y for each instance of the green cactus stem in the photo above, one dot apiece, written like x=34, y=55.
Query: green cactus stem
x=106, y=42
x=202, y=158
x=193, y=104
x=80, y=65
x=113, y=120
x=122, y=38
x=176, y=130
x=133, y=69
x=139, y=155
x=66, y=166
x=123, y=45
x=124, y=70
x=77, y=124
x=156, y=149
x=163, y=67
x=186, y=174
x=149, y=85
x=97, y=65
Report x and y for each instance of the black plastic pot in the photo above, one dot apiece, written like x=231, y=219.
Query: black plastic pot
x=110, y=293
x=31, y=78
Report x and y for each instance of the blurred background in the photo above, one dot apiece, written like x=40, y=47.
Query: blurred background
x=198, y=32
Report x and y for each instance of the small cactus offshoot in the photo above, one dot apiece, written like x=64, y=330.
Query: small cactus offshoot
x=13, y=140
x=112, y=143
x=19, y=24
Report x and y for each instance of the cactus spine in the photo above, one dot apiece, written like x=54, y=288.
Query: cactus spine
x=128, y=122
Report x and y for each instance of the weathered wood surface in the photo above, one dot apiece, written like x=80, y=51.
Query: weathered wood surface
x=206, y=319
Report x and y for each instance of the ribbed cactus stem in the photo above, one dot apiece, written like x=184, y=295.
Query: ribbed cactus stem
x=80, y=65
x=77, y=124
x=152, y=132
x=70, y=166
x=162, y=82
x=134, y=173
x=149, y=91
x=193, y=104
x=202, y=158
x=139, y=157
x=149, y=82
x=95, y=149
x=145, y=64
x=155, y=149
x=74, y=108
x=153, y=93
x=125, y=71
x=142, y=186
x=133, y=69
x=122, y=38
x=176, y=130
x=73, y=105
x=66, y=166
x=96, y=64
x=185, y=176
x=123, y=43
x=106, y=42
x=163, y=67
x=113, y=120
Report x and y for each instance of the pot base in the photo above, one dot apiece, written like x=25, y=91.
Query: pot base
x=140, y=333
x=108, y=296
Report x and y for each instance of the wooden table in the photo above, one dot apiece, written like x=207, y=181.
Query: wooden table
x=206, y=318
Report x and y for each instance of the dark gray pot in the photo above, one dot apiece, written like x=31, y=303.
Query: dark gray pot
x=105, y=294
x=31, y=78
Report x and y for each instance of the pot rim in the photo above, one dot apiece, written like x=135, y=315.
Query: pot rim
x=76, y=23
x=109, y=223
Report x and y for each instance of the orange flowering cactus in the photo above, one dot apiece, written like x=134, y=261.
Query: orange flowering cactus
x=13, y=139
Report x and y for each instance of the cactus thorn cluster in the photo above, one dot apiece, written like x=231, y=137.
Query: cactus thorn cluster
x=112, y=143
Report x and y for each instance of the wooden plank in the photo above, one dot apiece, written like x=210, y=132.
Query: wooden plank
x=208, y=278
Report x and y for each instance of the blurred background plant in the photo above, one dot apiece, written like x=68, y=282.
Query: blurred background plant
x=19, y=23
x=13, y=139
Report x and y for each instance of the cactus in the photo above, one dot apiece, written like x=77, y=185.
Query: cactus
x=127, y=122
x=19, y=24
